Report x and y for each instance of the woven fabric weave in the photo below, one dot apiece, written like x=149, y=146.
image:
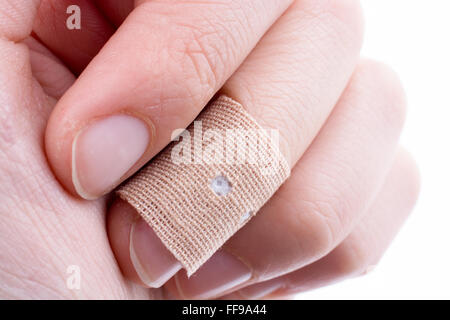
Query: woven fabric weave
x=205, y=186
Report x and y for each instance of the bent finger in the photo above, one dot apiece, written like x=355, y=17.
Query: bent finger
x=329, y=190
x=295, y=108
x=361, y=251
x=153, y=76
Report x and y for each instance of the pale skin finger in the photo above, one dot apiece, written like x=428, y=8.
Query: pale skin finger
x=182, y=53
x=329, y=190
x=299, y=23
x=361, y=251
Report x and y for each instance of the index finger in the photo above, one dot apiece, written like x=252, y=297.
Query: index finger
x=153, y=76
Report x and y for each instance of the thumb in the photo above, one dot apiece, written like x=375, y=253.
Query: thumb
x=154, y=75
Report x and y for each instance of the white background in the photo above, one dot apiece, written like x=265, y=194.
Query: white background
x=413, y=36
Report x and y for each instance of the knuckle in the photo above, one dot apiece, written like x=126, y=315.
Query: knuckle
x=352, y=259
x=323, y=211
x=323, y=239
x=324, y=224
x=200, y=48
x=386, y=86
x=329, y=202
x=345, y=16
x=350, y=14
x=202, y=54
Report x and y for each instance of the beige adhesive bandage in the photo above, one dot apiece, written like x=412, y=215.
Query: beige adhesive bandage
x=208, y=183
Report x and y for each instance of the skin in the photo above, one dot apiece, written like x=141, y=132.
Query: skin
x=340, y=125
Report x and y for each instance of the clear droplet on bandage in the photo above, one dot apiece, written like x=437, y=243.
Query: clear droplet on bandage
x=221, y=186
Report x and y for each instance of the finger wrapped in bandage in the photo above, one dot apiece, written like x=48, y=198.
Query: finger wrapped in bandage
x=209, y=182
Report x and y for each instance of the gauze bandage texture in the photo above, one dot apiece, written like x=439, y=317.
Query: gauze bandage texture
x=208, y=182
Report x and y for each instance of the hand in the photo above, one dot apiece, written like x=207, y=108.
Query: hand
x=339, y=119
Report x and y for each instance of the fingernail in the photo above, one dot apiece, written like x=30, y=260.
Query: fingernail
x=105, y=151
x=260, y=290
x=154, y=264
x=219, y=274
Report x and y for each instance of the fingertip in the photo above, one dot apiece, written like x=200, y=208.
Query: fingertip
x=120, y=219
x=91, y=155
x=140, y=254
x=58, y=160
